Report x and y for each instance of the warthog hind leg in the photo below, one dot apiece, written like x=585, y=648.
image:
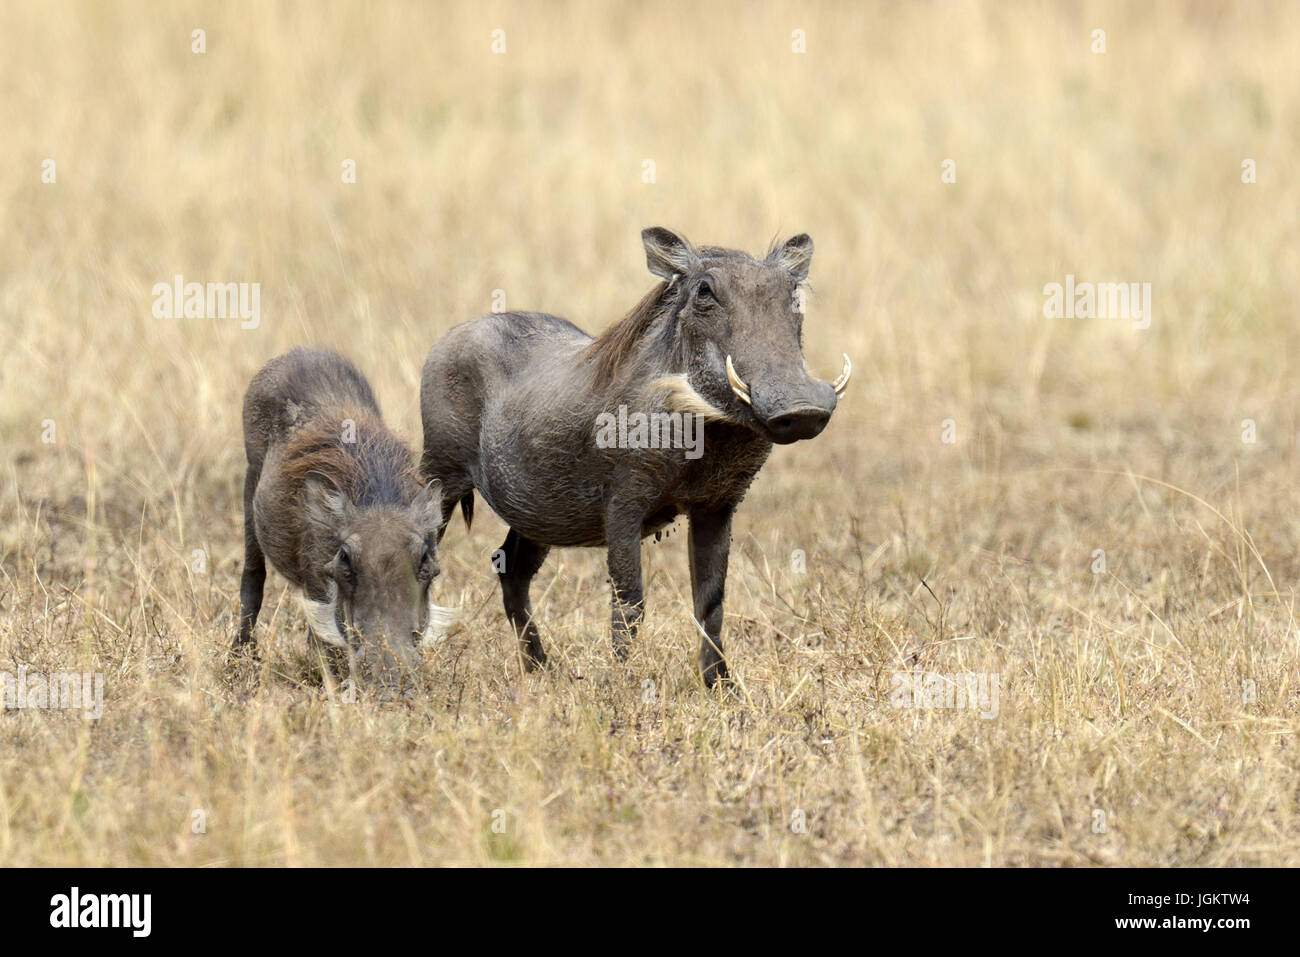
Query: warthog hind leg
x=522, y=558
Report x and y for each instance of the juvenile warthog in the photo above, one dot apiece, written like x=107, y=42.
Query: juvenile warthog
x=510, y=405
x=332, y=498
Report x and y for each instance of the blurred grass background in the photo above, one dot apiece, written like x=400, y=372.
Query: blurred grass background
x=523, y=172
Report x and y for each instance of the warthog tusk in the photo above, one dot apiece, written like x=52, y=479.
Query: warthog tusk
x=737, y=383
x=842, y=383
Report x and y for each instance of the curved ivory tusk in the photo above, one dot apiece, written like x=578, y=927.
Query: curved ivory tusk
x=842, y=382
x=737, y=383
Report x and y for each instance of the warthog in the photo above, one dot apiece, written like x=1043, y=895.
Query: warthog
x=333, y=499
x=510, y=405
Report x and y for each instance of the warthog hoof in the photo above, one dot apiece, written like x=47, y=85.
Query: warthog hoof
x=715, y=673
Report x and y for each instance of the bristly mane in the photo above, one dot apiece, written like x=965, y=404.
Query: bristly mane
x=611, y=349
x=376, y=469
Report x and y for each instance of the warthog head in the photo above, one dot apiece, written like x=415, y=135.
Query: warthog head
x=741, y=323
x=383, y=561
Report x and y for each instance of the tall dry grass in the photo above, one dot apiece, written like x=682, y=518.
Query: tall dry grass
x=1121, y=692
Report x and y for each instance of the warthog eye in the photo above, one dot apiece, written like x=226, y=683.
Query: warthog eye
x=704, y=292
x=428, y=563
x=343, y=565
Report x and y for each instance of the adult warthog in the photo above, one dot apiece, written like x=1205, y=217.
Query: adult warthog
x=333, y=500
x=513, y=406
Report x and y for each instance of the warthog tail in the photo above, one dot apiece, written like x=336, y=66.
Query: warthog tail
x=467, y=509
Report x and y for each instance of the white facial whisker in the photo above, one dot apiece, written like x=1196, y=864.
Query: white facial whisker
x=682, y=397
x=322, y=617
x=441, y=620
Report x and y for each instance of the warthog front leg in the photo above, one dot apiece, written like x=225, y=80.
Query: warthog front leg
x=522, y=558
x=623, y=533
x=709, y=544
x=253, y=580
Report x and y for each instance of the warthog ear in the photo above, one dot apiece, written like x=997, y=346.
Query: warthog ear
x=795, y=255
x=667, y=254
x=325, y=504
x=427, y=505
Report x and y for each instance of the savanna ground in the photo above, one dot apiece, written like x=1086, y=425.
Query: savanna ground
x=1147, y=710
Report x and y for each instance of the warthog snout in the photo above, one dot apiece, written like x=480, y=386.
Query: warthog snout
x=789, y=413
x=803, y=423
x=383, y=664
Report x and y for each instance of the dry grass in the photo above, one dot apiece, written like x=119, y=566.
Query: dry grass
x=1120, y=692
